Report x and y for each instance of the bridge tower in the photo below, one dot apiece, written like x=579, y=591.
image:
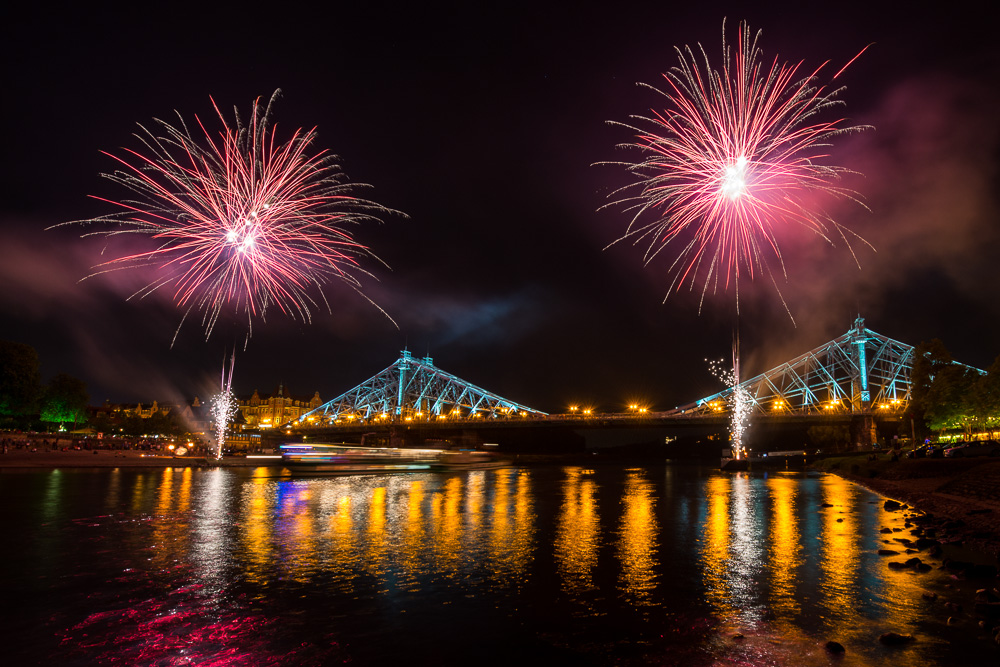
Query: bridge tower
x=858, y=344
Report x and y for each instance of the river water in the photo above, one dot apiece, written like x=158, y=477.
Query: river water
x=570, y=565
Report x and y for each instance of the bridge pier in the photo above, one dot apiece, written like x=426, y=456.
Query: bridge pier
x=865, y=431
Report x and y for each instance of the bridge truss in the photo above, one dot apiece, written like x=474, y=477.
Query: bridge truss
x=415, y=389
x=859, y=371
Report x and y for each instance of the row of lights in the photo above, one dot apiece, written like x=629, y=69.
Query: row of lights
x=455, y=414
x=716, y=406
x=781, y=404
x=638, y=409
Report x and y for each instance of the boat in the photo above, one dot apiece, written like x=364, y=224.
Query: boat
x=468, y=459
x=733, y=465
x=345, y=458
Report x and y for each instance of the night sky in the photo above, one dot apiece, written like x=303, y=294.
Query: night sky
x=482, y=125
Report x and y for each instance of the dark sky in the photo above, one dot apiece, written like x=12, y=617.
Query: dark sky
x=482, y=125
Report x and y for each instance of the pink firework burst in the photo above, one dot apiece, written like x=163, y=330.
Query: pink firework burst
x=735, y=155
x=242, y=222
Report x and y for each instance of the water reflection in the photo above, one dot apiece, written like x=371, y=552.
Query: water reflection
x=114, y=490
x=255, y=534
x=785, y=548
x=235, y=567
x=474, y=501
x=511, y=540
x=448, y=530
x=715, y=543
x=732, y=548
x=839, y=563
x=746, y=549
x=414, y=536
x=209, y=552
x=169, y=528
x=399, y=531
x=51, y=503
x=637, y=541
x=578, y=533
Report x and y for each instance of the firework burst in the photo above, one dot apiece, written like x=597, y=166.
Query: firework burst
x=241, y=222
x=735, y=154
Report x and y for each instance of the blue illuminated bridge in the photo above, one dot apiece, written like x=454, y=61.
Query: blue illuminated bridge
x=860, y=373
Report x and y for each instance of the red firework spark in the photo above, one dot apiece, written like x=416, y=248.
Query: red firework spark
x=241, y=220
x=735, y=154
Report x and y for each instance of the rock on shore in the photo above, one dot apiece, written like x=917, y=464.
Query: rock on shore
x=964, y=493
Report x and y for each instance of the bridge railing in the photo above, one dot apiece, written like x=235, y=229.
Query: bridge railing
x=464, y=420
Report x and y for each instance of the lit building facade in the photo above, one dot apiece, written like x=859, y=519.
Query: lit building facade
x=263, y=411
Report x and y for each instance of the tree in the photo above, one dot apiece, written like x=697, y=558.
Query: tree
x=945, y=393
x=132, y=425
x=103, y=424
x=164, y=424
x=65, y=400
x=20, y=383
x=986, y=397
x=949, y=402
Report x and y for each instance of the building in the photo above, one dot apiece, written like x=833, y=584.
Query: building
x=259, y=411
x=270, y=411
x=194, y=417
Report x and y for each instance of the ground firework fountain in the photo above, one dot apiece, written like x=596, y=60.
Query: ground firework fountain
x=224, y=407
x=739, y=400
x=739, y=407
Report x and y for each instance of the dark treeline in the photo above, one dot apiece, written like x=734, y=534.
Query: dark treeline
x=26, y=402
x=949, y=396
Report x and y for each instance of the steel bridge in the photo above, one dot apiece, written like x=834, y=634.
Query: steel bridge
x=860, y=372
x=414, y=389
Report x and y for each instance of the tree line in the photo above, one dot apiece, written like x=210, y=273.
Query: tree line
x=949, y=396
x=25, y=401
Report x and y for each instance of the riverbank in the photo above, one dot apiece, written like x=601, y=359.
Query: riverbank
x=964, y=493
x=113, y=458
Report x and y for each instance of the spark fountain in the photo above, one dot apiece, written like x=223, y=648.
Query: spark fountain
x=224, y=407
x=739, y=401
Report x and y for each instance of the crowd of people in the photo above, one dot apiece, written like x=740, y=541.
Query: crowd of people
x=48, y=442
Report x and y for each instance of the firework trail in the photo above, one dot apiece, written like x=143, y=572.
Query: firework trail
x=242, y=222
x=224, y=406
x=735, y=155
